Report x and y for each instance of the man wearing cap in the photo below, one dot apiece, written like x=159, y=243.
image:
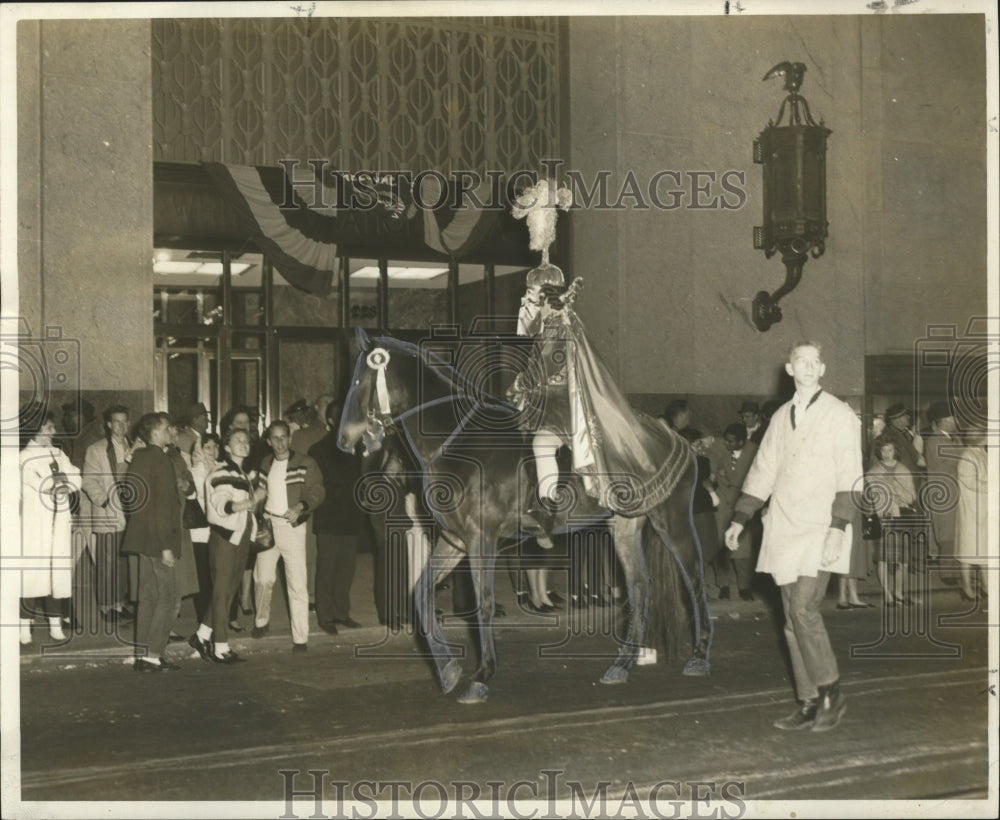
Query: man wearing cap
x=750, y=416
x=309, y=419
x=941, y=452
x=195, y=421
x=898, y=430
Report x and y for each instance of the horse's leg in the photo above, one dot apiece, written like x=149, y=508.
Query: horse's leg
x=443, y=559
x=674, y=523
x=483, y=572
x=629, y=548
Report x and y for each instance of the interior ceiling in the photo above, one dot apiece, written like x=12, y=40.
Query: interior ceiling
x=251, y=277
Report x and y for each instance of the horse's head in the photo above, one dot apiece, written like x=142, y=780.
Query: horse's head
x=381, y=389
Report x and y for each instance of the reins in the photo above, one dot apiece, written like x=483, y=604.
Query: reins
x=378, y=360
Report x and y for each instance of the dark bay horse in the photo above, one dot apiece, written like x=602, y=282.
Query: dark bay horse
x=478, y=479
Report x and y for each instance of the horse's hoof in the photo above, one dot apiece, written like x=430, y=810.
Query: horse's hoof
x=476, y=693
x=450, y=675
x=696, y=667
x=615, y=674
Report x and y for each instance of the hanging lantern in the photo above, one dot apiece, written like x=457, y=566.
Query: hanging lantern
x=793, y=157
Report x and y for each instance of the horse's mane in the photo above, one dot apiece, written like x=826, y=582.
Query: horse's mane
x=452, y=379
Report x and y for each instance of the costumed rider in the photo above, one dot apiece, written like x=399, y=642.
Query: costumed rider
x=567, y=397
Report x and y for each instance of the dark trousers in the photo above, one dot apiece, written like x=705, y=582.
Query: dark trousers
x=203, y=598
x=46, y=606
x=813, y=661
x=111, y=569
x=226, y=563
x=157, y=605
x=336, y=558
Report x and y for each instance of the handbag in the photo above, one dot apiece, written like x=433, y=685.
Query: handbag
x=871, y=527
x=194, y=516
x=264, y=539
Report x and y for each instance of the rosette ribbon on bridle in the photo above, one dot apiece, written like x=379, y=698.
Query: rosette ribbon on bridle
x=378, y=360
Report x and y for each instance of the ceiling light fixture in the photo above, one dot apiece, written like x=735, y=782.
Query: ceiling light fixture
x=397, y=273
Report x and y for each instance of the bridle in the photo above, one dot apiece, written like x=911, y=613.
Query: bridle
x=382, y=422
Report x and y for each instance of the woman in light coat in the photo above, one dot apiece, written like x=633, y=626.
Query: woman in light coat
x=48, y=479
x=972, y=520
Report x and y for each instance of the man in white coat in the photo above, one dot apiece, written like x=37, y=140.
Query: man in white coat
x=809, y=465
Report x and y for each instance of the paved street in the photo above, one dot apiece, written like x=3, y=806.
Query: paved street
x=365, y=706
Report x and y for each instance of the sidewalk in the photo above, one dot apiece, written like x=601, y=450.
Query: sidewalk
x=93, y=643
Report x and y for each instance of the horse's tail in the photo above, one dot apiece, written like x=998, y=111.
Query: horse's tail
x=674, y=562
x=669, y=614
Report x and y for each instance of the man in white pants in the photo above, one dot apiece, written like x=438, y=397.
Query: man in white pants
x=294, y=489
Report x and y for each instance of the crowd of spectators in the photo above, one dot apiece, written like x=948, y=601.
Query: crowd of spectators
x=164, y=508
x=106, y=488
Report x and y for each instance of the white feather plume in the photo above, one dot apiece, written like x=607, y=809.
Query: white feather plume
x=537, y=206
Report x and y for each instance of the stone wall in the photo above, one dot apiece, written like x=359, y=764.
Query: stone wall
x=85, y=227
x=669, y=292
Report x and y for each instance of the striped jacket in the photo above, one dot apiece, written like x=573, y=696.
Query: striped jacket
x=303, y=482
x=228, y=485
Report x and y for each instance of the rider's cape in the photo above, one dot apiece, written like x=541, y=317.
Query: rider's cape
x=627, y=460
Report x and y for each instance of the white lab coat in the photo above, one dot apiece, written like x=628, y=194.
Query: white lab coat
x=801, y=471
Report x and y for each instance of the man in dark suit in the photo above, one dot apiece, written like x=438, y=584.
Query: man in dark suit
x=731, y=462
x=750, y=416
x=941, y=453
x=153, y=533
x=337, y=523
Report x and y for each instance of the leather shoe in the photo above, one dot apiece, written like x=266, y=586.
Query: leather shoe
x=236, y=626
x=229, y=658
x=300, y=647
x=142, y=665
x=260, y=631
x=801, y=718
x=329, y=629
x=167, y=666
x=203, y=648
x=350, y=623
x=832, y=706
x=114, y=617
x=746, y=595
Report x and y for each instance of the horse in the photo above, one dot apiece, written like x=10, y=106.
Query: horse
x=475, y=462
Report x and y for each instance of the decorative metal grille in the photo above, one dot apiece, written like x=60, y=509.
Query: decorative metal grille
x=385, y=94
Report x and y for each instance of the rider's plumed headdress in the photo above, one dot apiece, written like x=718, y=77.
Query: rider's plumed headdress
x=537, y=206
